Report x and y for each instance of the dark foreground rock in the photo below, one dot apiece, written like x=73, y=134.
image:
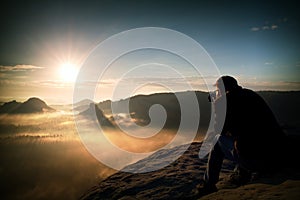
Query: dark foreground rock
x=176, y=181
x=179, y=180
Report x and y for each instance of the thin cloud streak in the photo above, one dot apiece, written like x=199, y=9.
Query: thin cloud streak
x=268, y=85
x=264, y=28
x=18, y=68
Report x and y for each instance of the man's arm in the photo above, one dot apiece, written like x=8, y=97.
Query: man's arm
x=222, y=116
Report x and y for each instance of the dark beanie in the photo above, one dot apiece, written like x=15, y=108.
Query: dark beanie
x=229, y=82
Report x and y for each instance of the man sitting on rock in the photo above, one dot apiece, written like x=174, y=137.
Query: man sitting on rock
x=250, y=135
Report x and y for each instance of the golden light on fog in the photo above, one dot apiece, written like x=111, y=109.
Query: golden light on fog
x=68, y=72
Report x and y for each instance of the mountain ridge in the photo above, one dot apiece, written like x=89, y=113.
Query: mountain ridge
x=32, y=105
x=284, y=105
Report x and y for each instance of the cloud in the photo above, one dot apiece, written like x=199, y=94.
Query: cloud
x=254, y=29
x=9, y=82
x=273, y=27
x=96, y=82
x=268, y=63
x=18, y=68
x=264, y=28
x=36, y=84
x=271, y=85
x=269, y=25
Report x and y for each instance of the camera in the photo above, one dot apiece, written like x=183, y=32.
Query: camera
x=212, y=96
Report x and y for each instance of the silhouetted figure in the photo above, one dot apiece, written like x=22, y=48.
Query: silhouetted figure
x=251, y=136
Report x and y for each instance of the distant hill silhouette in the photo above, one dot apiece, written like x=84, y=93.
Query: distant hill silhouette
x=32, y=105
x=139, y=107
x=82, y=105
x=92, y=110
x=9, y=106
x=284, y=105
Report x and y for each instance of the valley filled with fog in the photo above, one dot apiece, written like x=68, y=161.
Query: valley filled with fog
x=42, y=155
x=43, y=158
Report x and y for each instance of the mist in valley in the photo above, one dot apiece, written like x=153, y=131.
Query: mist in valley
x=43, y=157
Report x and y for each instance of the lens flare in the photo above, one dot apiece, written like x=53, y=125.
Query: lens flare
x=68, y=72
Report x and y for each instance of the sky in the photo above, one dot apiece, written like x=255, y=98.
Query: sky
x=44, y=44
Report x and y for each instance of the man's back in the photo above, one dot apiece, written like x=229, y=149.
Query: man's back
x=252, y=124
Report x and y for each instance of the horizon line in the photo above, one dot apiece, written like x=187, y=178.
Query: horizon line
x=141, y=94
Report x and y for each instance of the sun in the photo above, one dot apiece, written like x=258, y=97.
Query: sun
x=68, y=72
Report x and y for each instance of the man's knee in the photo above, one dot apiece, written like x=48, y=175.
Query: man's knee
x=225, y=141
x=226, y=145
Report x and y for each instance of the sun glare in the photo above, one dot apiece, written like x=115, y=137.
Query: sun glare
x=68, y=72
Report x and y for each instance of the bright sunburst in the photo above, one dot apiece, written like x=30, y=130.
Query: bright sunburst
x=68, y=72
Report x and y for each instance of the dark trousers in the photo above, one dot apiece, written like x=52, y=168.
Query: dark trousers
x=223, y=148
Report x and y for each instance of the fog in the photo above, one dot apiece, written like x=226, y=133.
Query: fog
x=42, y=156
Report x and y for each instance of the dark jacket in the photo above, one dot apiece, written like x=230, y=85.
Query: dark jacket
x=251, y=123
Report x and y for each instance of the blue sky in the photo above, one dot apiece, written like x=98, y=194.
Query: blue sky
x=256, y=41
